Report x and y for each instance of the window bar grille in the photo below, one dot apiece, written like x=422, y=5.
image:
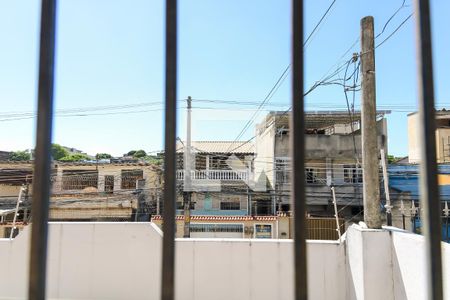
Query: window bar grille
x=168, y=248
x=42, y=170
x=297, y=153
x=429, y=192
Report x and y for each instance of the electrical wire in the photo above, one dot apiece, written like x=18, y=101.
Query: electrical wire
x=282, y=77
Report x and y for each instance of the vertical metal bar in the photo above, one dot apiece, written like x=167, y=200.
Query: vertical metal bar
x=429, y=192
x=168, y=250
x=297, y=152
x=41, y=178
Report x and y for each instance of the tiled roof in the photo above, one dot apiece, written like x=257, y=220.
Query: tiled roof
x=222, y=218
x=220, y=147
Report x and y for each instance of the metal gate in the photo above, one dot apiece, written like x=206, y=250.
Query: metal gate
x=323, y=228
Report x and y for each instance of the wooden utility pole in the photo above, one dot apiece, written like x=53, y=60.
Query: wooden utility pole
x=187, y=187
x=371, y=185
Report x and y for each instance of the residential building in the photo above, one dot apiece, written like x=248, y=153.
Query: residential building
x=84, y=191
x=72, y=150
x=4, y=155
x=333, y=158
x=258, y=227
x=442, y=135
x=405, y=175
x=404, y=178
x=221, y=175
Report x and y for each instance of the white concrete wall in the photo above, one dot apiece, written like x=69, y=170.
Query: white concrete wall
x=369, y=268
x=122, y=261
x=389, y=264
x=413, y=139
x=409, y=266
x=88, y=261
x=255, y=269
x=265, y=155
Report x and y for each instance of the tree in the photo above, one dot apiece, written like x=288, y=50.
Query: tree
x=153, y=159
x=74, y=157
x=131, y=153
x=19, y=156
x=103, y=156
x=140, y=154
x=59, y=152
x=392, y=159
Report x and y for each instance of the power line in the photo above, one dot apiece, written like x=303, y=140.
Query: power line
x=391, y=18
x=396, y=29
x=283, y=75
x=318, y=23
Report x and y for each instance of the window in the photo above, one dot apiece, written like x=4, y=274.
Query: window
x=285, y=207
x=129, y=178
x=282, y=170
x=352, y=174
x=180, y=205
x=109, y=183
x=228, y=205
x=218, y=162
x=216, y=228
x=263, y=231
x=311, y=176
x=79, y=179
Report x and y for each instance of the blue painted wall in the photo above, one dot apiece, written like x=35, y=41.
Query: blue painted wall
x=405, y=178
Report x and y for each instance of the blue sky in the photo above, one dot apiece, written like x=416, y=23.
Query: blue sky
x=111, y=53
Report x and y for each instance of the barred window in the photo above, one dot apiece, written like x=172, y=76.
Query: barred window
x=216, y=228
x=109, y=183
x=352, y=174
x=228, y=205
x=129, y=178
x=311, y=175
x=79, y=179
x=282, y=170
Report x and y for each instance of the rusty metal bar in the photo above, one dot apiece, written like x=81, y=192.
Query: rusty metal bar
x=429, y=191
x=42, y=169
x=168, y=248
x=297, y=137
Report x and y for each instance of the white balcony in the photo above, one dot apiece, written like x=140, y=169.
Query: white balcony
x=225, y=175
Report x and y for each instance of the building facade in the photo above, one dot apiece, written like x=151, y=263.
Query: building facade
x=83, y=192
x=258, y=227
x=333, y=158
x=442, y=134
x=221, y=177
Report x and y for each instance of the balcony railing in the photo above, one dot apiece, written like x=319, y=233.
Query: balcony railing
x=227, y=175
